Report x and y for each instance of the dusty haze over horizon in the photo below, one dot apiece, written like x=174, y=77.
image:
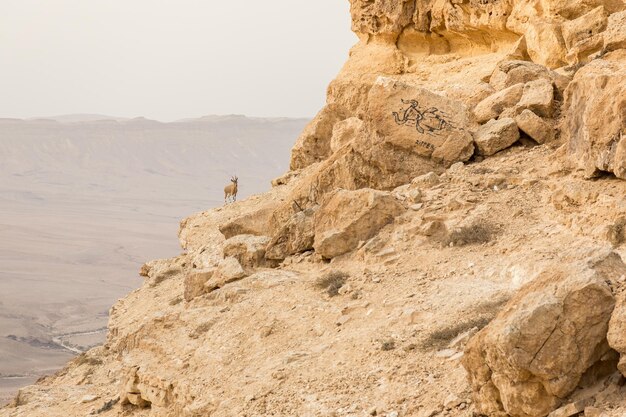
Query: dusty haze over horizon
x=170, y=60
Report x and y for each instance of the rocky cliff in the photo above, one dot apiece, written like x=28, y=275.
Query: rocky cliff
x=448, y=241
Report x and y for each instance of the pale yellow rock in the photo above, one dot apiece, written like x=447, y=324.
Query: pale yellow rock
x=313, y=145
x=492, y=106
x=294, y=237
x=346, y=218
x=583, y=35
x=545, y=44
x=594, y=123
x=508, y=73
x=535, y=127
x=496, y=135
x=255, y=223
x=417, y=120
x=346, y=131
x=227, y=271
x=194, y=283
x=535, y=351
x=249, y=250
x=615, y=35
x=538, y=96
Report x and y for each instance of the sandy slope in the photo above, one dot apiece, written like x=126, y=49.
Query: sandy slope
x=83, y=205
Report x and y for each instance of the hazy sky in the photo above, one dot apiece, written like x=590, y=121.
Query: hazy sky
x=170, y=59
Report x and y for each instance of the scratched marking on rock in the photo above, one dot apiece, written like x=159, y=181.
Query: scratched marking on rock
x=430, y=121
x=425, y=144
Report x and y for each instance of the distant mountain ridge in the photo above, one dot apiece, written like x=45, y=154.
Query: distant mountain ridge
x=93, y=117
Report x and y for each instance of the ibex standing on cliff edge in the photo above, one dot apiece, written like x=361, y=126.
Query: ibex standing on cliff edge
x=230, y=191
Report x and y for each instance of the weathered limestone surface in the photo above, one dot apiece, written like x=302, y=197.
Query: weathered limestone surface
x=496, y=135
x=349, y=217
x=294, y=237
x=416, y=119
x=536, y=350
x=595, y=116
x=535, y=127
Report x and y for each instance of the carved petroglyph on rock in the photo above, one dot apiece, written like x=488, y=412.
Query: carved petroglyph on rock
x=430, y=121
x=419, y=120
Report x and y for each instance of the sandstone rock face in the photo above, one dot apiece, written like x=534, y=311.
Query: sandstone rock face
x=349, y=217
x=617, y=326
x=496, y=135
x=194, y=283
x=538, y=96
x=492, y=106
x=381, y=17
x=248, y=250
x=294, y=237
x=511, y=72
x=227, y=271
x=545, y=44
x=536, y=350
x=615, y=35
x=535, y=127
x=595, y=116
x=313, y=145
x=255, y=223
x=583, y=35
x=160, y=270
x=418, y=120
x=346, y=131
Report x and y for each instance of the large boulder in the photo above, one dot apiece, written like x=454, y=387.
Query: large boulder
x=534, y=353
x=545, y=43
x=595, y=115
x=349, y=217
x=615, y=35
x=538, y=96
x=313, y=145
x=253, y=223
x=496, y=135
x=583, y=35
x=617, y=326
x=492, y=106
x=194, y=283
x=295, y=236
x=366, y=161
x=227, y=271
x=511, y=72
x=249, y=250
x=535, y=127
x=419, y=121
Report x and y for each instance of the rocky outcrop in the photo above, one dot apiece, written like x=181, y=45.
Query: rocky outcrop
x=248, y=250
x=535, y=127
x=419, y=121
x=492, y=106
x=496, y=135
x=537, y=349
x=294, y=237
x=401, y=232
x=347, y=218
x=615, y=35
x=617, y=326
x=583, y=35
x=595, y=116
x=255, y=223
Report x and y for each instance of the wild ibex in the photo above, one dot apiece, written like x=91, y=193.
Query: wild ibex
x=230, y=191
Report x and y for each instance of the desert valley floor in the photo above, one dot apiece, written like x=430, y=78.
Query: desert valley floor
x=84, y=204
